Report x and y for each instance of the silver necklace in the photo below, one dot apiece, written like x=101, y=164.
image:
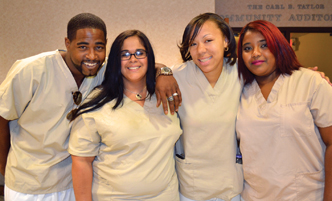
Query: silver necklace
x=138, y=95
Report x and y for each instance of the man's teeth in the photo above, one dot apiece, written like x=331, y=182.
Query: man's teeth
x=90, y=64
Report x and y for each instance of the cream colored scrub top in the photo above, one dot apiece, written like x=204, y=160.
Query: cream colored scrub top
x=134, y=149
x=208, y=118
x=36, y=96
x=283, y=152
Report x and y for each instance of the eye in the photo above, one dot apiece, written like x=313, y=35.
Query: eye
x=99, y=48
x=246, y=49
x=193, y=44
x=264, y=45
x=125, y=54
x=208, y=40
x=139, y=53
x=82, y=47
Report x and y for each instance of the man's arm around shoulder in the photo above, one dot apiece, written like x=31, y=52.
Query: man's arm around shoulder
x=4, y=143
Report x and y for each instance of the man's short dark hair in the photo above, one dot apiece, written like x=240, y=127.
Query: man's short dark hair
x=82, y=21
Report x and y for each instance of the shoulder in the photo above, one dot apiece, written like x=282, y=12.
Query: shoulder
x=36, y=62
x=183, y=66
x=307, y=75
x=305, y=79
x=230, y=68
x=181, y=70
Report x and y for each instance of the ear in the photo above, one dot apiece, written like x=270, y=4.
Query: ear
x=226, y=42
x=67, y=43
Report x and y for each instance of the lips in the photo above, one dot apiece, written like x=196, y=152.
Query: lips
x=257, y=62
x=91, y=65
x=134, y=68
x=205, y=59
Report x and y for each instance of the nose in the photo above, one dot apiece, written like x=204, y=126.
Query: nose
x=201, y=48
x=256, y=52
x=132, y=58
x=91, y=55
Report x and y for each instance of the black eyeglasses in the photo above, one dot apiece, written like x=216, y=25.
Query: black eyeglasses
x=77, y=97
x=139, y=54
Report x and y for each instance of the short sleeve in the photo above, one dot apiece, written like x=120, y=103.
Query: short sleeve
x=17, y=89
x=84, y=138
x=320, y=105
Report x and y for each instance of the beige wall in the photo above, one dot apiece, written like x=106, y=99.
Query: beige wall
x=34, y=26
x=315, y=50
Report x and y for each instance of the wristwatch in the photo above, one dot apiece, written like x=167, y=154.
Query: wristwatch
x=164, y=71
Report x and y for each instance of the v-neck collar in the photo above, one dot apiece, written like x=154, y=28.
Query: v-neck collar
x=203, y=83
x=273, y=94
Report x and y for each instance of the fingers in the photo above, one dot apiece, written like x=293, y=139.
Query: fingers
x=163, y=99
x=313, y=68
x=322, y=74
x=328, y=80
x=158, y=98
x=171, y=100
x=177, y=98
x=166, y=86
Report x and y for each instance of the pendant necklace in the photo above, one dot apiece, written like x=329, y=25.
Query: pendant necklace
x=138, y=95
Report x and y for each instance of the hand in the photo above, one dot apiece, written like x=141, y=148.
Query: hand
x=159, y=65
x=321, y=74
x=166, y=86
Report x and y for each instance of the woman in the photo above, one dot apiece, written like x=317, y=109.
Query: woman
x=284, y=121
x=121, y=144
x=210, y=88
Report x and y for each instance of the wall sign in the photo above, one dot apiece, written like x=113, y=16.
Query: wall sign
x=282, y=13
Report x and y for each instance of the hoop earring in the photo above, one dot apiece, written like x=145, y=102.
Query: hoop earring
x=226, y=49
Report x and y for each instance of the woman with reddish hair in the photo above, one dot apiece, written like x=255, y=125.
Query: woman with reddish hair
x=284, y=121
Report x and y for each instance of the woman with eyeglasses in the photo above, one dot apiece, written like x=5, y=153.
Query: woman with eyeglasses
x=121, y=143
x=284, y=121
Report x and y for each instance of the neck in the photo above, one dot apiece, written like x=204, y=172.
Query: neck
x=78, y=76
x=266, y=83
x=213, y=77
x=267, y=80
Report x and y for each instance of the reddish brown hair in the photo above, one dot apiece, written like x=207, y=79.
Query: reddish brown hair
x=286, y=60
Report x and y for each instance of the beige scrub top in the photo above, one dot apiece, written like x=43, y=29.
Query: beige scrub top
x=208, y=118
x=283, y=152
x=134, y=149
x=36, y=96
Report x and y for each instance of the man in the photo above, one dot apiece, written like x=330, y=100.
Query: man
x=35, y=98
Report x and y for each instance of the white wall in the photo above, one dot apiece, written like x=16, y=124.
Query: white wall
x=34, y=26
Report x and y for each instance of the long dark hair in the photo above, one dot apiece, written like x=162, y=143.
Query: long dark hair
x=286, y=60
x=112, y=87
x=193, y=28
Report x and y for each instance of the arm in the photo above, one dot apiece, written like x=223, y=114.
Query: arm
x=326, y=134
x=4, y=143
x=166, y=86
x=82, y=177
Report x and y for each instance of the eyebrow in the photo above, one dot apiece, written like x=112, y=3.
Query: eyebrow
x=82, y=43
x=206, y=35
x=263, y=40
x=86, y=43
x=135, y=50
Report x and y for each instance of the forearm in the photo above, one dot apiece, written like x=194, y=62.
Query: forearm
x=82, y=174
x=326, y=134
x=328, y=174
x=4, y=143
